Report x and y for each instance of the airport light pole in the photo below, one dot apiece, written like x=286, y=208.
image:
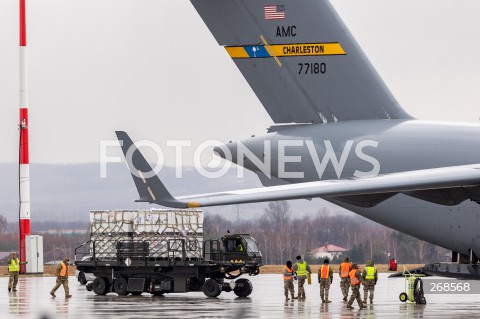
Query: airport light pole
x=24, y=168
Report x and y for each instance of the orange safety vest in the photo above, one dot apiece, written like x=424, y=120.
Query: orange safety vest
x=324, y=272
x=344, y=269
x=64, y=270
x=353, y=277
x=287, y=277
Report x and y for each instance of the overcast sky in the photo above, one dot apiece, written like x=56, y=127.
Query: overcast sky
x=152, y=68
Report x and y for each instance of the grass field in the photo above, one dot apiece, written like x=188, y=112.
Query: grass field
x=269, y=269
x=277, y=269
x=47, y=270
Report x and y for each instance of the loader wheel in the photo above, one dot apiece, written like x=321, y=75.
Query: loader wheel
x=211, y=288
x=82, y=279
x=403, y=297
x=136, y=293
x=158, y=293
x=120, y=286
x=243, y=287
x=100, y=286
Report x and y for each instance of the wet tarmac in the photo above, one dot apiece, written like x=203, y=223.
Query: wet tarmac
x=32, y=300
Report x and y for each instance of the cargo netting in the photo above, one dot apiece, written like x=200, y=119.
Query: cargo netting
x=168, y=234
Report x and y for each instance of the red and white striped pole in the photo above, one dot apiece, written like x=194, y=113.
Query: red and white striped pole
x=24, y=222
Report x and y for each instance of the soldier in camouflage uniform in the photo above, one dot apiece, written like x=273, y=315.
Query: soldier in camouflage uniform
x=62, y=278
x=301, y=268
x=288, y=280
x=325, y=278
x=355, y=280
x=13, y=270
x=343, y=272
x=370, y=280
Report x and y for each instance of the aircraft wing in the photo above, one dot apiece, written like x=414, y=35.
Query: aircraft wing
x=152, y=190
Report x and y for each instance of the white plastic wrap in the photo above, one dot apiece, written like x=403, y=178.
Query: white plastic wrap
x=160, y=228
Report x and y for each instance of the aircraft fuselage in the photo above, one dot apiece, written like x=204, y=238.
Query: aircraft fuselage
x=366, y=148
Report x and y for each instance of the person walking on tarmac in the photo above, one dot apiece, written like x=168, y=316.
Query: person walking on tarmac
x=62, y=278
x=344, y=271
x=301, y=268
x=288, y=280
x=355, y=279
x=13, y=270
x=370, y=280
x=325, y=278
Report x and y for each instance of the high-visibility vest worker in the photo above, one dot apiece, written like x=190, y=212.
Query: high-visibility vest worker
x=287, y=277
x=370, y=272
x=14, y=265
x=64, y=270
x=324, y=271
x=302, y=269
x=345, y=269
x=353, y=277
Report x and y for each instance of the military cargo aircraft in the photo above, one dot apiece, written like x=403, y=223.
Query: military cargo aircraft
x=339, y=133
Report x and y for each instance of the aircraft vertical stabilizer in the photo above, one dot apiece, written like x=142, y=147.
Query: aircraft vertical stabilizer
x=300, y=60
x=149, y=186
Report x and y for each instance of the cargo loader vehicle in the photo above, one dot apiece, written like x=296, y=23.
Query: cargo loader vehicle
x=163, y=251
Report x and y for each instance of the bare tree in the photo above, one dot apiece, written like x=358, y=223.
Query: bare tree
x=3, y=224
x=278, y=213
x=282, y=236
x=421, y=245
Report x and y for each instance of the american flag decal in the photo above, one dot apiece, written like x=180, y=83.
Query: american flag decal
x=274, y=12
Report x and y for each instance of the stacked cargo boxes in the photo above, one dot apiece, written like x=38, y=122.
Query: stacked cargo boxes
x=166, y=232
x=107, y=228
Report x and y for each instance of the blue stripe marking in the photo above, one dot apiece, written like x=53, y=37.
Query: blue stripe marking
x=257, y=51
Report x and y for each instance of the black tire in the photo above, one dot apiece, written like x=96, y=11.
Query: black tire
x=211, y=288
x=82, y=279
x=158, y=293
x=243, y=287
x=100, y=286
x=120, y=286
x=403, y=297
x=136, y=293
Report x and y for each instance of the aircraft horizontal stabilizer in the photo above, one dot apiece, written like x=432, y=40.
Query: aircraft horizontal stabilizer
x=152, y=190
